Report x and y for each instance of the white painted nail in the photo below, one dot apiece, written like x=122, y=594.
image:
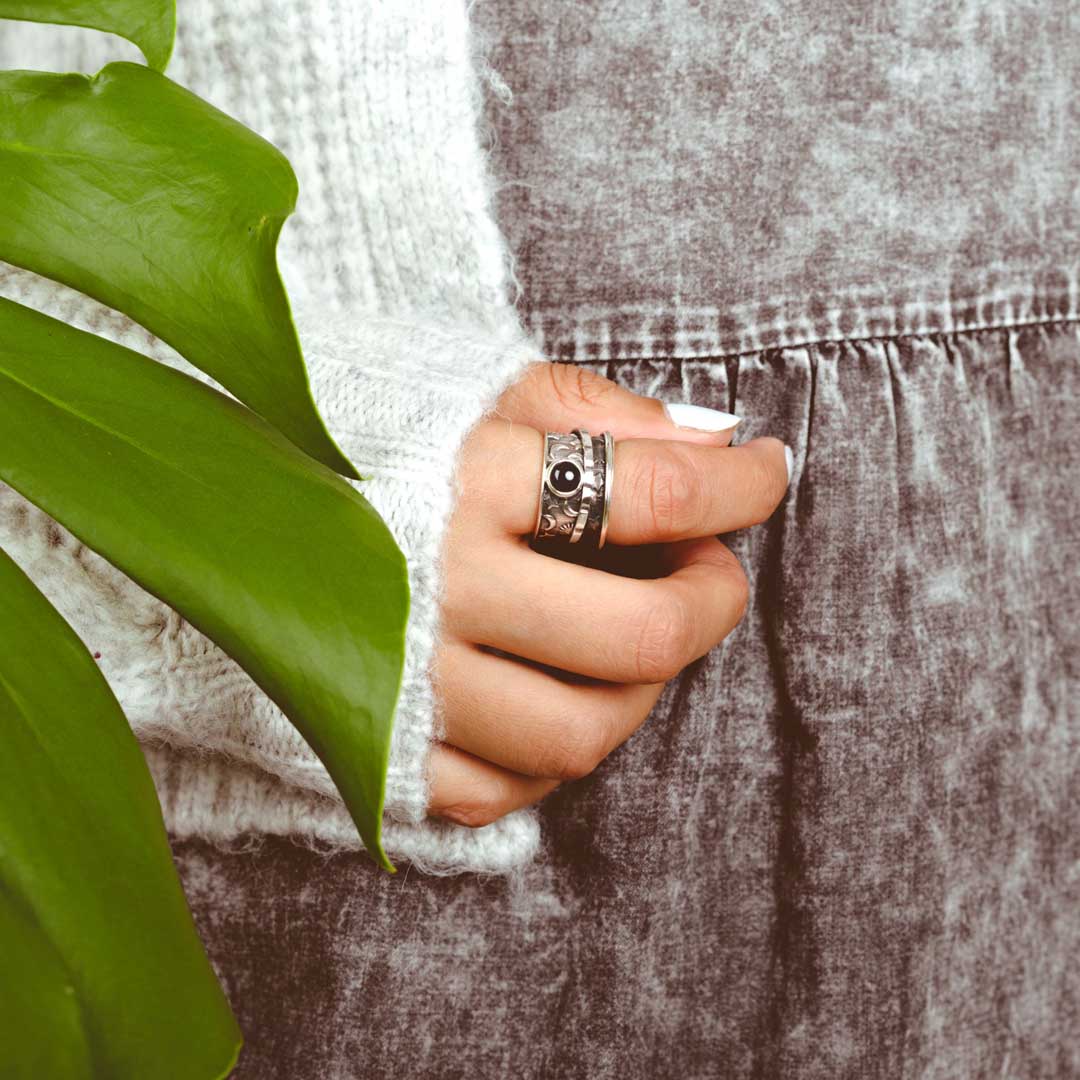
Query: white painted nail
x=789, y=457
x=684, y=415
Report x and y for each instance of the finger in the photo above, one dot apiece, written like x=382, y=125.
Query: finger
x=673, y=491
x=662, y=490
x=526, y=719
x=470, y=791
x=588, y=621
x=560, y=397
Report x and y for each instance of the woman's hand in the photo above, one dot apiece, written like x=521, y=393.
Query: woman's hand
x=591, y=649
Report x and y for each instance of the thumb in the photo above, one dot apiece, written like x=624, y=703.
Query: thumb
x=553, y=396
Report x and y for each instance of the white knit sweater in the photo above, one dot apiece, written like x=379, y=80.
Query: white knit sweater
x=398, y=276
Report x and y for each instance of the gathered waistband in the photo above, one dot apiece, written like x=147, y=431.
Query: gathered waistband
x=998, y=296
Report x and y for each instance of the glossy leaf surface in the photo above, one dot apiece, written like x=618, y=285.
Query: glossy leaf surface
x=272, y=555
x=138, y=193
x=104, y=974
x=149, y=24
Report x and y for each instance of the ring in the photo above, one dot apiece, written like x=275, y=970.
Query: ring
x=575, y=487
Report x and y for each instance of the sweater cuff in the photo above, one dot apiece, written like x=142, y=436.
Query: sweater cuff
x=399, y=397
x=227, y=803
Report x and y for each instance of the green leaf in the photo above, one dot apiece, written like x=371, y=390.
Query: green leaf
x=269, y=553
x=104, y=974
x=41, y=1028
x=136, y=192
x=149, y=24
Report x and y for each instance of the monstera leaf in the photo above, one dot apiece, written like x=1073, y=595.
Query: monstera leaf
x=273, y=556
x=138, y=193
x=149, y=24
x=103, y=972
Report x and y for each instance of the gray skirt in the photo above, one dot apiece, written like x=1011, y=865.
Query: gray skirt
x=845, y=843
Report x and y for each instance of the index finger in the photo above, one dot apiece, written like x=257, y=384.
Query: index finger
x=666, y=491
x=663, y=489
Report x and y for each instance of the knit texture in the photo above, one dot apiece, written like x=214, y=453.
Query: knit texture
x=399, y=279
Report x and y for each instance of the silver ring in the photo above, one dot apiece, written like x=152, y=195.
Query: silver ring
x=575, y=485
x=588, y=484
x=609, y=480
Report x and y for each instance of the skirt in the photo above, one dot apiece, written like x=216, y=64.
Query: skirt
x=845, y=842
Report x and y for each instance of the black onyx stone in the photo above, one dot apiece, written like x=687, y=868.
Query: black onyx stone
x=564, y=478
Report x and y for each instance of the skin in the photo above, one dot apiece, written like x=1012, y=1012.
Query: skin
x=590, y=647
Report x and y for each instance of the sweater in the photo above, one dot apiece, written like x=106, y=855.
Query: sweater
x=399, y=280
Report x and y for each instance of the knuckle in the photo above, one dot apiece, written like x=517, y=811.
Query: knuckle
x=482, y=440
x=739, y=584
x=535, y=375
x=574, y=750
x=480, y=445
x=663, y=639
x=671, y=493
x=576, y=387
x=457, y=601
x=517, y=401
x=473, y=815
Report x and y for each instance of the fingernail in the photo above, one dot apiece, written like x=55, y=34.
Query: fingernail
x=789, y=457
x=684, y=415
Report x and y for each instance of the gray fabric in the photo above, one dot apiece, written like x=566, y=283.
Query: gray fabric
x=696, y=178
x=845, y=843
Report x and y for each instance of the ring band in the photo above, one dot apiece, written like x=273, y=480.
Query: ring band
x=575, y=488
x=609, y=479
x=588, y=486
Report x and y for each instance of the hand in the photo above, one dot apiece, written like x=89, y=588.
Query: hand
x=590, y=650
